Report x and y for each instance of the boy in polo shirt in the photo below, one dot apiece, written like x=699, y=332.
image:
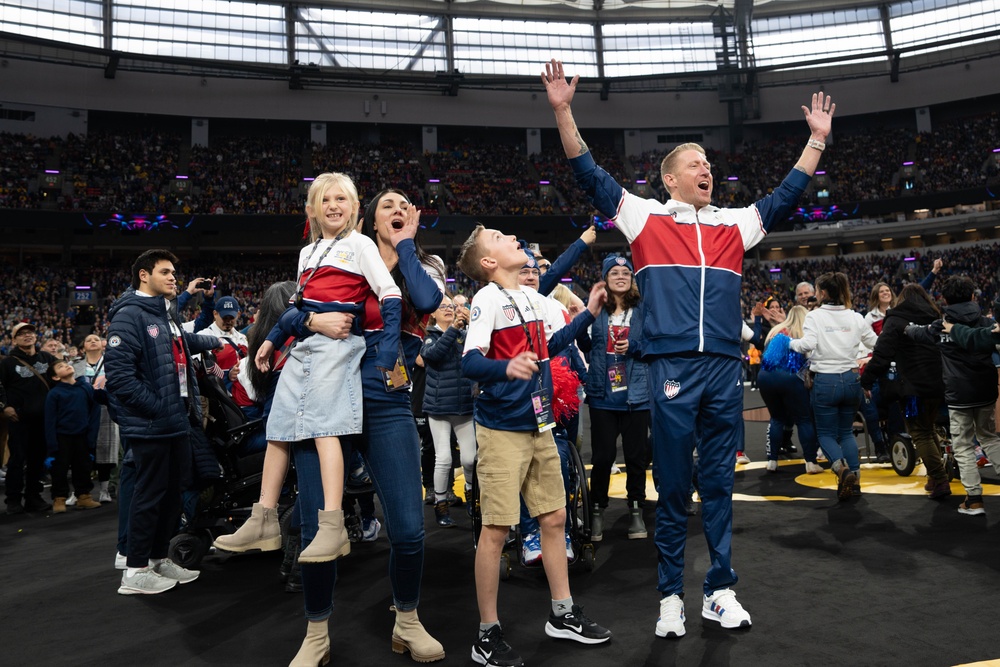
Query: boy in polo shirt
x=507, y=353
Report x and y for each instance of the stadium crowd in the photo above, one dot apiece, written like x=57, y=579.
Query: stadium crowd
x=137, y=171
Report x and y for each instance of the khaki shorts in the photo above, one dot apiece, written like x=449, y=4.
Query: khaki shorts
x=513, y=464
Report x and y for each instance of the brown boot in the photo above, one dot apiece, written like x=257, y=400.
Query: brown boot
x=261, y=531
x=58, y=505
x=408, y=634
x=331, y=541
x=315, y=649
x=85, y=502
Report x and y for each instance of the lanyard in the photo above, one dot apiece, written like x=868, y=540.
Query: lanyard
x=98, y=367
x=524, y=325
x=297, y=298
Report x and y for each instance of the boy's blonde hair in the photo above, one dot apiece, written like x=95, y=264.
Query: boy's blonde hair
x=471, y=254
x=314, y=200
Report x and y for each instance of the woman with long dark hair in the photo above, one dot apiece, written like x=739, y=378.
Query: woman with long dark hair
x=919, y=378
x=389, y=442
x=618, y=398
x=833, y=333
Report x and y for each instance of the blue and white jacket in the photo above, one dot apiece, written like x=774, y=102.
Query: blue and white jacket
x=688, y=263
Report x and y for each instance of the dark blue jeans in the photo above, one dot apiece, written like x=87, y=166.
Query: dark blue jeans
x=787, y=401
x=391, y=449
x=835, y=401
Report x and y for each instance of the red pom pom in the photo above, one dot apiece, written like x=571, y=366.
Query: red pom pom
x=565, y=390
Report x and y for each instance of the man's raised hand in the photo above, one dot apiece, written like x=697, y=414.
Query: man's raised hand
x=560, y=93
x=820, y=116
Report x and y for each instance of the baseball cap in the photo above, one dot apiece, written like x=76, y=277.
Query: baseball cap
x=613, y=260
x=21, y=325
x=227, y=306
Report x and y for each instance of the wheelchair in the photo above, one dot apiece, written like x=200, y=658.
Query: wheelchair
x=578, y=519
x=904, y=455
x=225, y=504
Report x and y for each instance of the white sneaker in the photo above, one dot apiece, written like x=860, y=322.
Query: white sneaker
x=105, y=497
x=171, y=570
x=71, y=500
x=145, y=582
x=121, y=561
x=671, y=620
x=821, y=457
x=615, y=470
x=723, y=607
x=742, y=458
x=813, y=468
x=772, y=466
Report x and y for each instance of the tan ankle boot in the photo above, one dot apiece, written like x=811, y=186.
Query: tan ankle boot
x=331, y=541
x=315, y=649
x=85, y=502
x=58, y=505
x=409, y=635
x=261, y=531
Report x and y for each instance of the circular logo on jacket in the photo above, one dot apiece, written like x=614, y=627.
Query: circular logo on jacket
x=475, y=313
x=114, y=341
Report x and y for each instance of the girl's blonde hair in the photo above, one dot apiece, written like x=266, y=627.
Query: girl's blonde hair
x=563, y=295
x=794, y=319
x=314, y=200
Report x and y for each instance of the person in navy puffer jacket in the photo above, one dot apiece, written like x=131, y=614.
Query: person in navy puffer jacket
x=153, y=393
x=448, y=401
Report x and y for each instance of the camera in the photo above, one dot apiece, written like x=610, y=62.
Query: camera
x=204, y=284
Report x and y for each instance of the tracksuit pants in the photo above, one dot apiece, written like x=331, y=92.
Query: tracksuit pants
x=696, y=401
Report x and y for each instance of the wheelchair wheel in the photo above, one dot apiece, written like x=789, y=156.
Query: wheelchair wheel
x=476, y=513
x=187, y=550
x=504, y=566
x=578, y=500
x=903, y=455
x=587, y=557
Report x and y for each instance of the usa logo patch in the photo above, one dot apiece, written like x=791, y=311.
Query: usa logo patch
x=510, y=312
x=620, y=261
x=114, y=341
x=153, y=330
x=671, y=388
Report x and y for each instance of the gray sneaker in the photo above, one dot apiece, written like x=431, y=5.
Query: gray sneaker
x=171, y=570
x=146, y=581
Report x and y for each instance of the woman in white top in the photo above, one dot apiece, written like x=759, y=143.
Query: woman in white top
x=832, y=334
x=881, y=299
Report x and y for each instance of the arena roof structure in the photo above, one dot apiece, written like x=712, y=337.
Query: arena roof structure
x=448, y=45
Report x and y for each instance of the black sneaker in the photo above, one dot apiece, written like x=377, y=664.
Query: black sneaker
x=491, y=649
x=36, y=504
x=576, y=626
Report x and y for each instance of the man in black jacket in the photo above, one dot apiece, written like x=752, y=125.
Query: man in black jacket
x=22, y=375
x=970, y=381
x=154, y=397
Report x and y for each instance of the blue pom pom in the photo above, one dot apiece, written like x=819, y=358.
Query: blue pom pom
x=779, y=356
